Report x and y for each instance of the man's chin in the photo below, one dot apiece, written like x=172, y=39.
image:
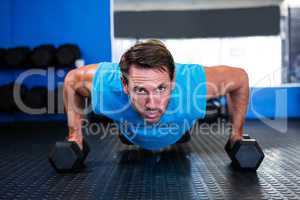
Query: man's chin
x=152, y=120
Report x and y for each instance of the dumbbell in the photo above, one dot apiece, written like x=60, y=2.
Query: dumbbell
x=67, y=157
x=245, y=154
x=213, y=108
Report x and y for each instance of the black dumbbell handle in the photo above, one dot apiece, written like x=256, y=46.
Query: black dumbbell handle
x=229, y=148
x=246, y=136
x=85, y=149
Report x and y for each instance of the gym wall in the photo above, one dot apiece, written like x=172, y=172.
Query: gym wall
x=34, y=22
x=265, y=102
x=294, y=45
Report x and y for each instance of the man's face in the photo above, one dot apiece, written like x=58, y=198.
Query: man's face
x=149, y=91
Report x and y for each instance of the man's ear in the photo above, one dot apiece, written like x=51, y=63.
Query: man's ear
x=173, y=84
x=124, y=85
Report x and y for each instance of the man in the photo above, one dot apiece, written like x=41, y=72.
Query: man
x=147, y=89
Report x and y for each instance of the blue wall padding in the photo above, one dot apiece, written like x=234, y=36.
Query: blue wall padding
x=34, y=22
x=49, y=78
x=278, y=102
x=274, y=102
x=6, y=118
x=13, y=117
x=44, y=117
x=5, y=23
x=6, y=77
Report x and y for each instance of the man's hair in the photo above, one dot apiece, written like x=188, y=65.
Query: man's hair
x=151, y=54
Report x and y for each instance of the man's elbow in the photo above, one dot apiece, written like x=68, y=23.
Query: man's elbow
x=235, y=79
x=70, y=78
x=76, y=81
x=243, y=77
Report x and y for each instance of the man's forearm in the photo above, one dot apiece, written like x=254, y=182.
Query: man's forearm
x=75, y=117
x=74, y=105
x=237, y=106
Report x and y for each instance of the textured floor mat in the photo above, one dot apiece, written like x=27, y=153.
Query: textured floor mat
x=199, y=169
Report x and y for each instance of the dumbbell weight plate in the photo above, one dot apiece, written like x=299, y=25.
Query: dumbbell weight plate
x=249, y=155
x=246, y=154
x=66, y=156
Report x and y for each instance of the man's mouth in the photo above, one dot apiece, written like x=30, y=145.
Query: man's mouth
x=152, y=114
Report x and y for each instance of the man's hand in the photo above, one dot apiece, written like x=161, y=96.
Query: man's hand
x=75, y=137
x=234, y=137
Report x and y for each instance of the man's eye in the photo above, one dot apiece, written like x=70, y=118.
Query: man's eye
x=140, y=91
x=161, y=89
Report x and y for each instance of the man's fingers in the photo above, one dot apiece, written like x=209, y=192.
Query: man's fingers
x=78, y=142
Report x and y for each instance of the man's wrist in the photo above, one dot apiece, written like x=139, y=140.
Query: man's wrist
x=73, y=129
x=237, y=135
x=74, y=136
x=237, y=131
x=74, y=132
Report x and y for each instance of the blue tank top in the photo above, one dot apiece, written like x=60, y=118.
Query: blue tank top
x=187, y=103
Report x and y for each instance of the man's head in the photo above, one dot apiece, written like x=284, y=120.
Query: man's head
x=148, y=78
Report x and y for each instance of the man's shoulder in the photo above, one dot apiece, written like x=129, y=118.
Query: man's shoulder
x=108, y=69
x=108, y=74
x=188, y=69
x=176, y=63
x=187, y=65
x=108, y=64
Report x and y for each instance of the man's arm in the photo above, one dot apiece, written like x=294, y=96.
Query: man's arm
x=77, y=86
x=234, y=83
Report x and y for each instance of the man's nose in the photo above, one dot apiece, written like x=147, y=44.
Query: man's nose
x=151, y=102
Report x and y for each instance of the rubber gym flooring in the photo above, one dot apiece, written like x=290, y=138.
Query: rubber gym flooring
x=199, y=169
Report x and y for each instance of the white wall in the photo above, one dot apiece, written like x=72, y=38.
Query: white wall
x=123, y=5
x=292, y=3
x=259, y=56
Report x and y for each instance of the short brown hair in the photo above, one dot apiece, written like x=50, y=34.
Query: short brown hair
x=152, y=54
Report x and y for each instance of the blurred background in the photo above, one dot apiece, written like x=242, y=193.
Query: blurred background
x=55, y=36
